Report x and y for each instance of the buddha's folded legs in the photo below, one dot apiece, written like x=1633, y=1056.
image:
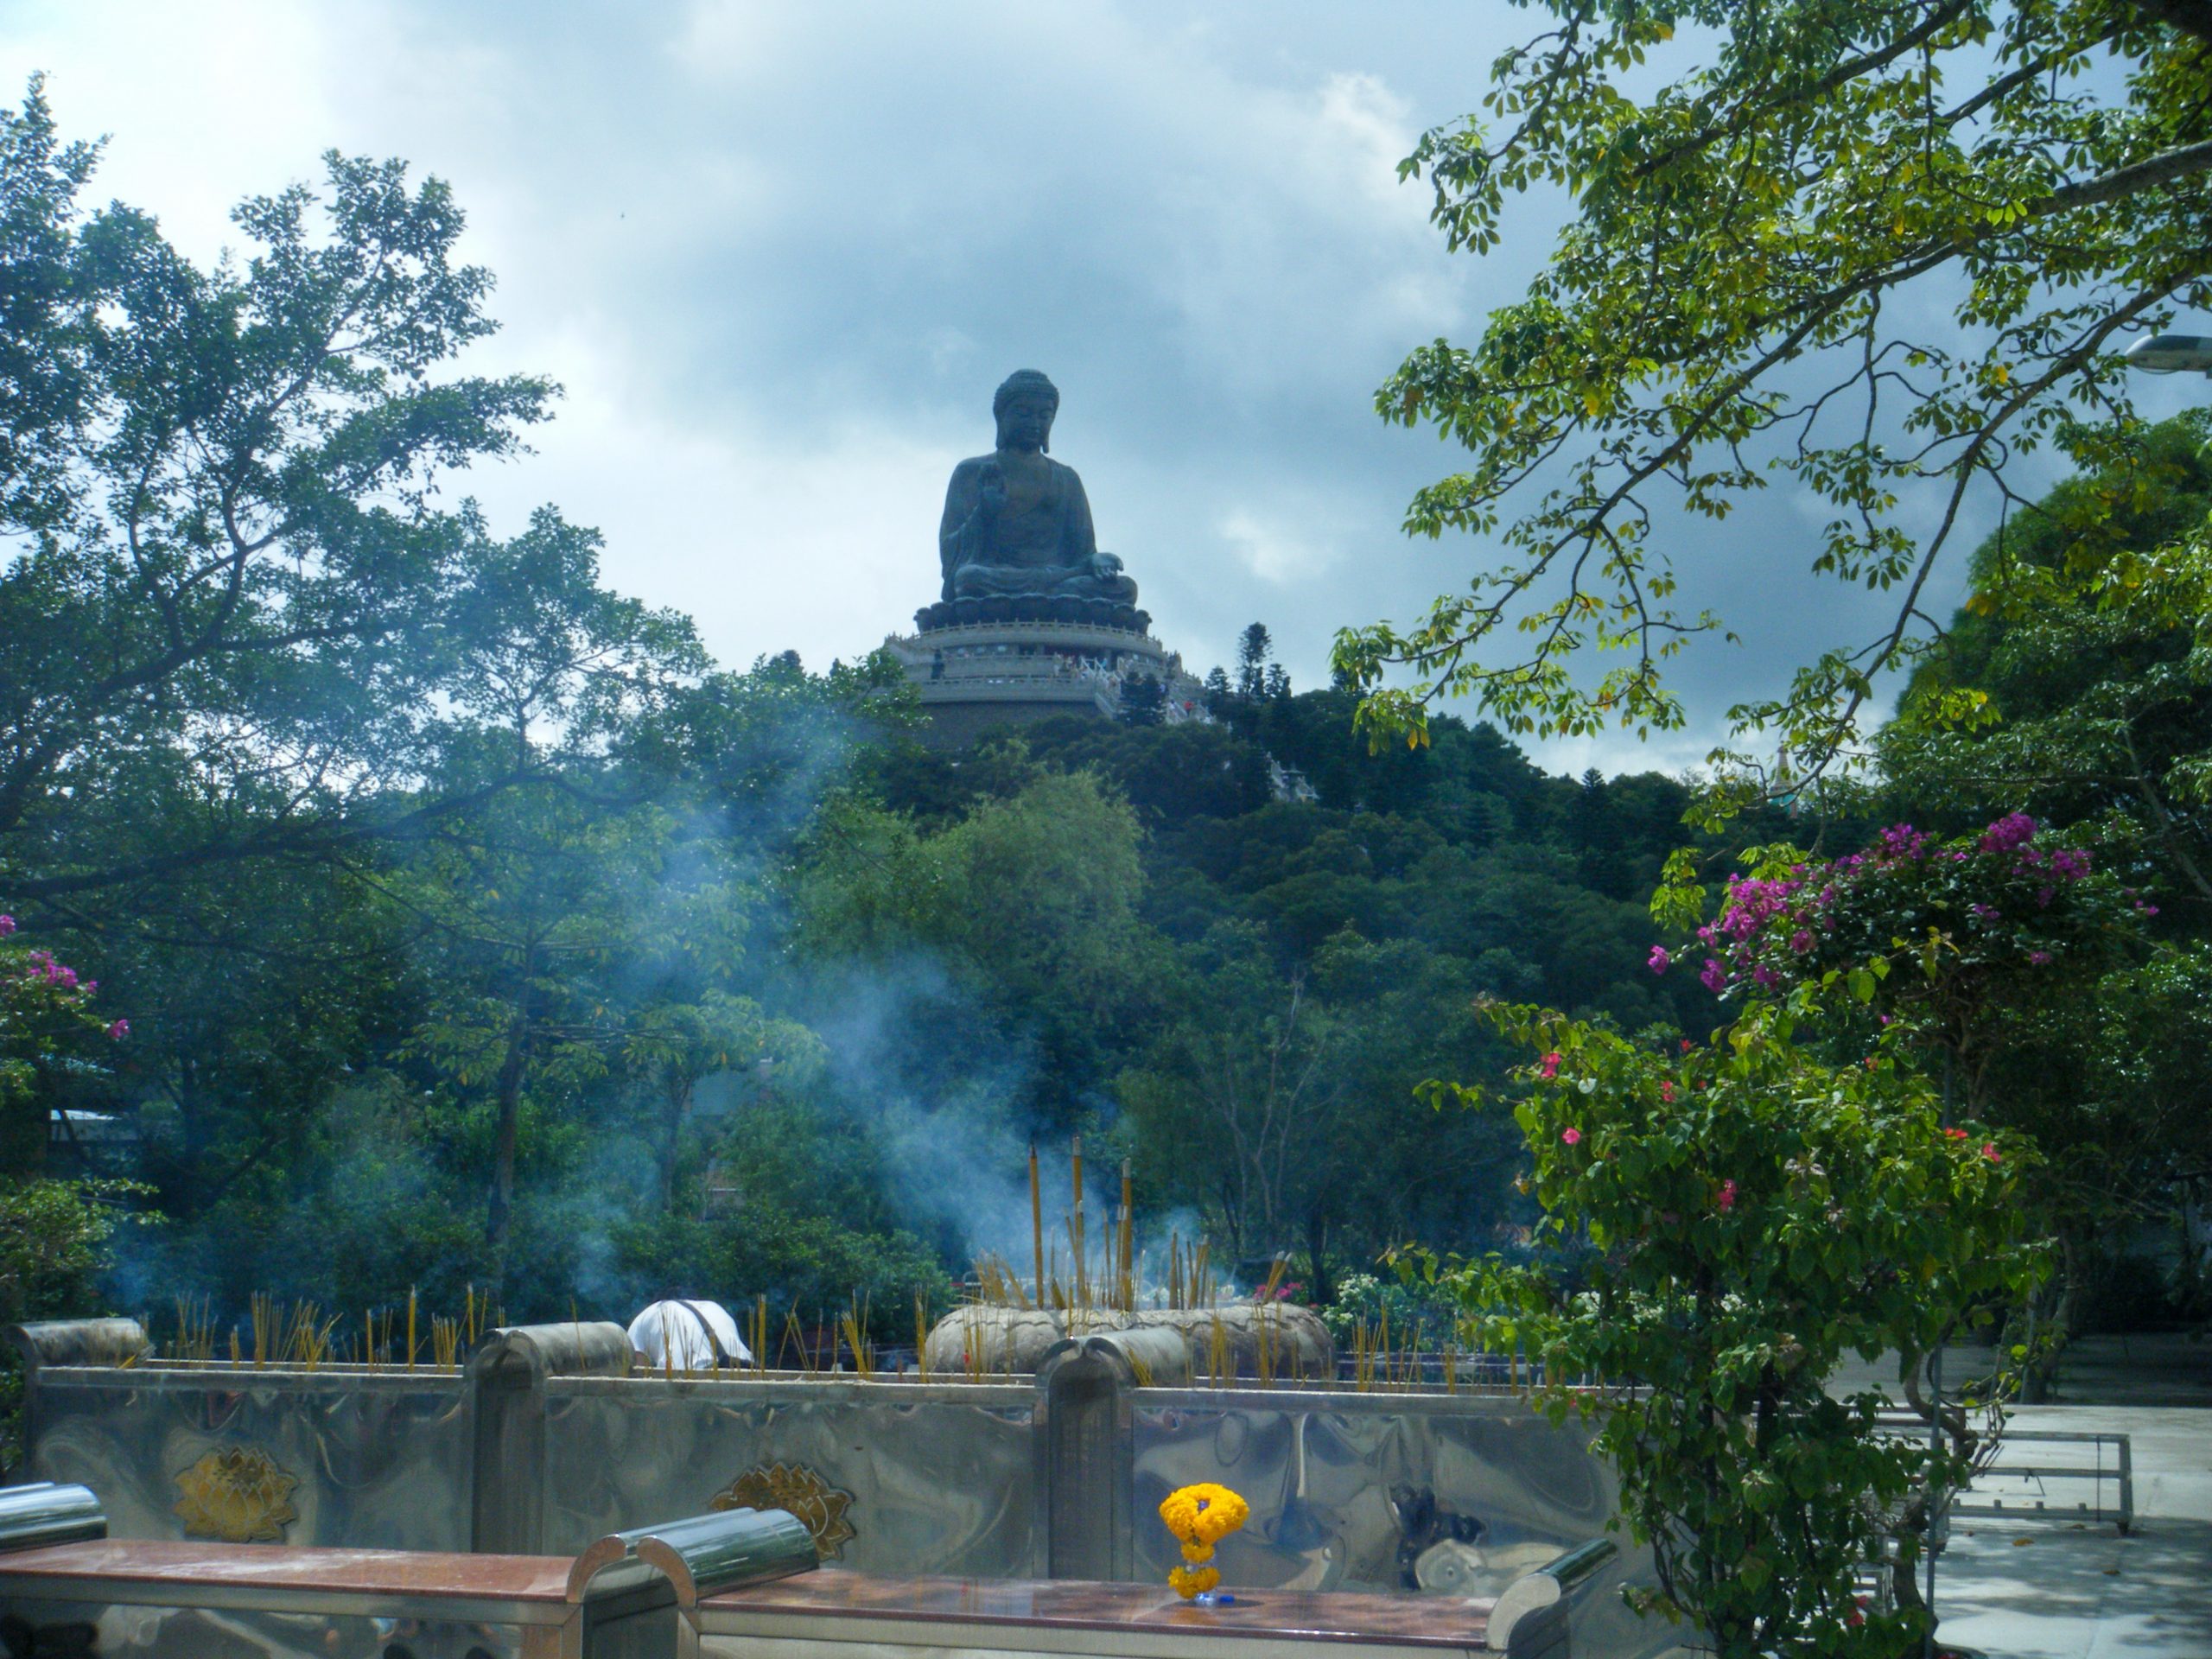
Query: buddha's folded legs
x=1014, y=580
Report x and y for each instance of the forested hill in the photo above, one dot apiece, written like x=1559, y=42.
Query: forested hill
x=1281, y=975
x=1464, y=845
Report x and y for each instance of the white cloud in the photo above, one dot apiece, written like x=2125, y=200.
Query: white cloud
x=1272, y=554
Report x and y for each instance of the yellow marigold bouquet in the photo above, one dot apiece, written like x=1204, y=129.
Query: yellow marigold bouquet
x=1200, y=1516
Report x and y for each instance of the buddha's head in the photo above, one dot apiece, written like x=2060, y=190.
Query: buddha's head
x=1024, y=404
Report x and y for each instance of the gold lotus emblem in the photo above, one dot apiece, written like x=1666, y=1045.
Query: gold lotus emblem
x=819, y=1506
x=239, y=1494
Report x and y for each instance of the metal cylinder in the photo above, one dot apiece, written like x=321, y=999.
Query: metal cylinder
x=47, y=1514
x=78, y=1342
x=700, y=1555
x=568, y=1348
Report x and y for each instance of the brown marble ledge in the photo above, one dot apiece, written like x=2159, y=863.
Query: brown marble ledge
x=113, y=1561
x=1293, y=1615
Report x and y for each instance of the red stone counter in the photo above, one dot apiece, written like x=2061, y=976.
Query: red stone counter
x=1067, y=1616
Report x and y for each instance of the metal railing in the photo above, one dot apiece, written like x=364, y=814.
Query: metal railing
x=2107, y=1466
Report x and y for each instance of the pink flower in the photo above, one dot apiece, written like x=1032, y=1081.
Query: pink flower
x=1714, y=977
x=1660, y=960
x=1571, y=1136
x=7, y=925
x=2014, y=829
x=1902, y=841
x=1550, y=1066
x=2038, y=957
x=119, y=1030
x=1666, y=1092
x=1989, y=1150
x=1727, y=1199
x=1955, y=1134
x=1686, y=1045
x=1801, y=941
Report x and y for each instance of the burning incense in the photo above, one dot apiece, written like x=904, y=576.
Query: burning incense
x=1124, y=1276
x=1074, y=1232
x=1036, y=1225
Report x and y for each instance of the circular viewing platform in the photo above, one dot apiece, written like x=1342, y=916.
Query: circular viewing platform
x=973, y=675
x=1040, y=609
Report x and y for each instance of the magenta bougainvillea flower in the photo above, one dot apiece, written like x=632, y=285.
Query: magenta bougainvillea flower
x=2004, y=903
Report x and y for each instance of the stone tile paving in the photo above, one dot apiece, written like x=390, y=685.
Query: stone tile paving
x=2073, y=1589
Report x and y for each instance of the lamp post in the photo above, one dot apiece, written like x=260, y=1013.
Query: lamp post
x=2171, y=354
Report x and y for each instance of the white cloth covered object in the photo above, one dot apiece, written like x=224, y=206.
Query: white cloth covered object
x=688, y=1336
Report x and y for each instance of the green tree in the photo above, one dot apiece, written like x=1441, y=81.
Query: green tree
x=1011, y=937
x=2089, y=634
x=49, y=316
x=232, y=563
x=1740, y=293
x=522, y=884
x=1254, y=649
x=1281, y=1102
x=1744, y=1218
x=55, y=1239
x=679, y=1045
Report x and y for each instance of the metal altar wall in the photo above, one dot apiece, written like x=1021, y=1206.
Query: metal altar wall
x=892, y=1477
x=1355, y=1490
x=548, y=1443
x=371, y=1460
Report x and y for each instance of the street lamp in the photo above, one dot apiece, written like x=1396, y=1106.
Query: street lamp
x=2172, y=353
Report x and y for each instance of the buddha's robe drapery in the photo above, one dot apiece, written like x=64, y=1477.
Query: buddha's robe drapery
x=1040, y=542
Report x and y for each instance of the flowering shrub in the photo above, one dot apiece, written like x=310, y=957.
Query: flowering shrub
x=1415, y=1316
x=1972, y=913
x=1750, y=1216
x=46, y=1012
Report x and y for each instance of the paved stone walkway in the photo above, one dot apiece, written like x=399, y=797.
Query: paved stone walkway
x=2071, y=1589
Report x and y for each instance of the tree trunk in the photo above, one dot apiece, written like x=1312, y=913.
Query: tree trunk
x=1321, y=1289
x=675, y=1098
x=509, y=1097
x=2058, y=1305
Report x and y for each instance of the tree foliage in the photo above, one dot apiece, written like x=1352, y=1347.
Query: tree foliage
x=1746, y=291
x=229, y=562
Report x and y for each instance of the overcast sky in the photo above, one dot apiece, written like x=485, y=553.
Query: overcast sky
x=778, y=257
